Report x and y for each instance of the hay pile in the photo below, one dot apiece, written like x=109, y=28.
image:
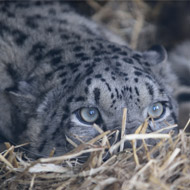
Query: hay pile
x=165, y=166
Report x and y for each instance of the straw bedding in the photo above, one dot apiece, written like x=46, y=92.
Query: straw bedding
x=165, y=166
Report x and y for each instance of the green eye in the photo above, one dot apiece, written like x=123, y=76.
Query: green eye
x=89, y=115
x=156, y=110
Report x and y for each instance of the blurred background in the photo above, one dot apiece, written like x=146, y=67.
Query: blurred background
x=143, y=23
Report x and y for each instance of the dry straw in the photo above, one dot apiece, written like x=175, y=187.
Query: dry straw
x=165, y=166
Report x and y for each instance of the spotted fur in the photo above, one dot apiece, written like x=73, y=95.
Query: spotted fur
x=53, y=62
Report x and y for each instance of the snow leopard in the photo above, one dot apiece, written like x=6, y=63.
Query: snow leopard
x=61, y=72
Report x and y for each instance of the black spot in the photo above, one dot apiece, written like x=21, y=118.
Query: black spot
x=22, y=4
x=75, y=70
x=161, y=90
x=38, y=3
x=90, y=40
x=97, y=59
x=66, y=109
x=128, y=60
x=4, y=28
x=73, y=66
x=137, y=73
x=61, y=67
x=89, y=71
x=110, y=46
x=126, y=78
x=150, y=89
x=112, y=95
x=97, y=95
x=93, y=48
x=116, y=49
x=126, y=88
x=55, y=55
x=31, y=21
x=88, y=81
x=107, y=69
x=49, y=29
x=108, y=86
x=113, y=48
x=37, y=50
x=54, y=52
x=77, y=48
x=139, y=69
x=84, y=58
x=100, y=45
x=117, y=93
x=12, y=71
x=63, y=81
x=56, y=60
x=19, y=36
x=80, y=98
x=98, y=76
x=124, y=74
x=64, y=117
x=115, y=57
x=97, y=53
x=123, y=53
x=58, y=144
x=130, y=89
x=48, y=75
x=113, y=102
x=87, y=65
x=148, y=76
x=86, y=90
x=69, y=99
x=52, y=117
x=137, y=91
x=10, y=14
x=77, y=77
x=136, y=57
x=64, y=36
x=79, y=55
x=136, y=80
x=147, y=64
x=118, y=64
x=62, y=74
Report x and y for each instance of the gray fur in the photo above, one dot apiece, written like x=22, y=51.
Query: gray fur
x=50, y=66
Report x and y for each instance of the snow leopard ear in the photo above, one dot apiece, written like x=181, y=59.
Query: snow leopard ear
x=155, y=55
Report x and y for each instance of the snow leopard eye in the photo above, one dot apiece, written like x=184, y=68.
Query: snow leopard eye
x=88, y=115
x=156, y=110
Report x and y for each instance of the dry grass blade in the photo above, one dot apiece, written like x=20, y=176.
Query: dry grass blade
x=4, y=160
x=188, y=122
x=139, y=137
x=123, y=127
